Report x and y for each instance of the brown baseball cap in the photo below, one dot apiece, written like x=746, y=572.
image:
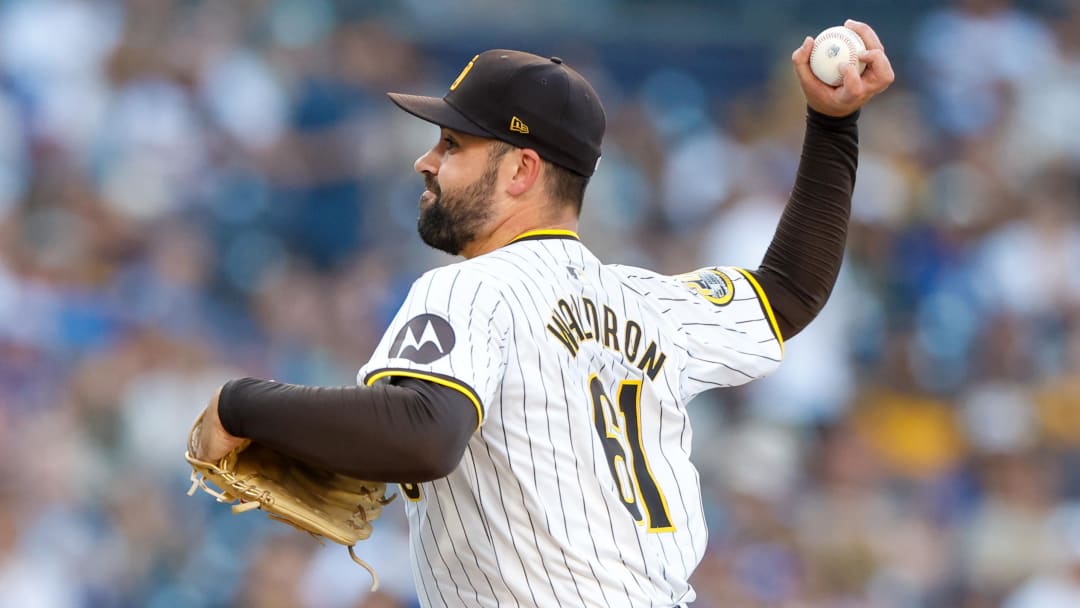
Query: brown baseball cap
x=522, y=99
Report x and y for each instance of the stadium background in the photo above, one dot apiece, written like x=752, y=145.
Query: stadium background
x=195, y=190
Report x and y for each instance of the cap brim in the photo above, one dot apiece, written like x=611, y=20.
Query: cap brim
x=437, y=111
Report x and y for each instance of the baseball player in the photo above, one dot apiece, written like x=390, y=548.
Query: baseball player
x=532, y=400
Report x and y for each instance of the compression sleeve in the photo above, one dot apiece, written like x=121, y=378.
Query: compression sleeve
x=411, y=431
x=802, y=262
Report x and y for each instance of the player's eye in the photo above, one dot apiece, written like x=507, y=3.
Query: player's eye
x=450, y=143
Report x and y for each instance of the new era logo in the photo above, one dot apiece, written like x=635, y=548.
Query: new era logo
x=425, y=338
x=517, y=125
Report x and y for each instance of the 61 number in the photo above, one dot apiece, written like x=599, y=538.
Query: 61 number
x=622, y=426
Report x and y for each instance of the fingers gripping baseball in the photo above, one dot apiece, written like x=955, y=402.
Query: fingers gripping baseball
x=856, y=88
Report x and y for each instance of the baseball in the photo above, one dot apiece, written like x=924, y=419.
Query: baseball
x=834, y=48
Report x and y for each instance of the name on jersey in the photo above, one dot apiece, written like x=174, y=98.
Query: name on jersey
x=575, y=321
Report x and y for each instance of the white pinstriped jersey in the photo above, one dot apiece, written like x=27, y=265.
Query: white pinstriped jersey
x=577, y=487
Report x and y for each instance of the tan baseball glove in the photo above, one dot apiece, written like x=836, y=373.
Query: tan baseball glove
x=323, y=504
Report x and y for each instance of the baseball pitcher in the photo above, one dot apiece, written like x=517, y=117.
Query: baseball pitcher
x=531, y=400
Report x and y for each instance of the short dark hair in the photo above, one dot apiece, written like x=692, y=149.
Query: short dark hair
x=562, y=184
x=566, y=186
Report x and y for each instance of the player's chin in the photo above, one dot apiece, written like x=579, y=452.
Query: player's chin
x=442, y=241
x=437, y=229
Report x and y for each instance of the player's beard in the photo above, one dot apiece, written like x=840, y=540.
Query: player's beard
x=454, y=217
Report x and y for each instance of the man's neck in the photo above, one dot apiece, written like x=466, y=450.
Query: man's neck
x=509, y=230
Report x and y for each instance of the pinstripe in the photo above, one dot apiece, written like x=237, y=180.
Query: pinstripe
x=584, y=506
x=734, y=369
x=487, y=529
x=570, y=438
x=418, y=540
x=684, y=502
x=427, y=295
x=554, y=456
x=641, y=549
x=513, y=543
x=477, y=494
x=740, y=353
x=610, y=519
x=450, y=290
x=431, y=530
x=442, y=516
x=478, y=500
x=449, y=299
x=468, y=543
x=601, y=367
x=667, y=461
x=433, y=487
x=716, y=325
x=472, y=344
x=515, y=479
x=743, y=353
x=528, y=435
x=573, y=579
x=702, y=380
x=421, y=576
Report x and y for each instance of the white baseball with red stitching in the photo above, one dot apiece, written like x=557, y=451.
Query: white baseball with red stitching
x=833, y=49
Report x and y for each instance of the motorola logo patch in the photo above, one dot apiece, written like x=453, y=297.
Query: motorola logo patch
x=425, y=338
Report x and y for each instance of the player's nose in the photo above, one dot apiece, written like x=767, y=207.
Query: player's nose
x=428, y=163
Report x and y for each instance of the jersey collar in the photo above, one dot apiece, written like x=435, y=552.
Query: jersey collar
x=535, y=235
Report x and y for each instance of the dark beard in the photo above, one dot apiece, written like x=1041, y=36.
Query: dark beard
x=452, y=220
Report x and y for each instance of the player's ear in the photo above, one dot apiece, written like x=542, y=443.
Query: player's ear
x=526, y=172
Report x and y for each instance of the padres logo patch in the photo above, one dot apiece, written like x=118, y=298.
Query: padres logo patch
x=425, y=338
x=711, y=284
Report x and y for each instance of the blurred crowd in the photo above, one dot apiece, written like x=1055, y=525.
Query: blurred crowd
x=196, y=190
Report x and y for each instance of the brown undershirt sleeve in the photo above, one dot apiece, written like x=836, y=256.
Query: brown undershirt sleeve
x=411, y=431
x=803, y=260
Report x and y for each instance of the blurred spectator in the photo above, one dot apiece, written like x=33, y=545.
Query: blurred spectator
x=1059, y=586
x=968, y=54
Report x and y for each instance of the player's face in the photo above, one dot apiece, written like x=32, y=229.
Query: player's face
x=460, y=177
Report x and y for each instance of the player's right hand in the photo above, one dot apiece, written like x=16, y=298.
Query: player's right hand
x=856, y=89
x=214, y=442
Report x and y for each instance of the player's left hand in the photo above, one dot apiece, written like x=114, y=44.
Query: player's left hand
x=214, y=442
x=856, y=89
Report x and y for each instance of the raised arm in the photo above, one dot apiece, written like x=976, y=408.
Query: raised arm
x=802, y=262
